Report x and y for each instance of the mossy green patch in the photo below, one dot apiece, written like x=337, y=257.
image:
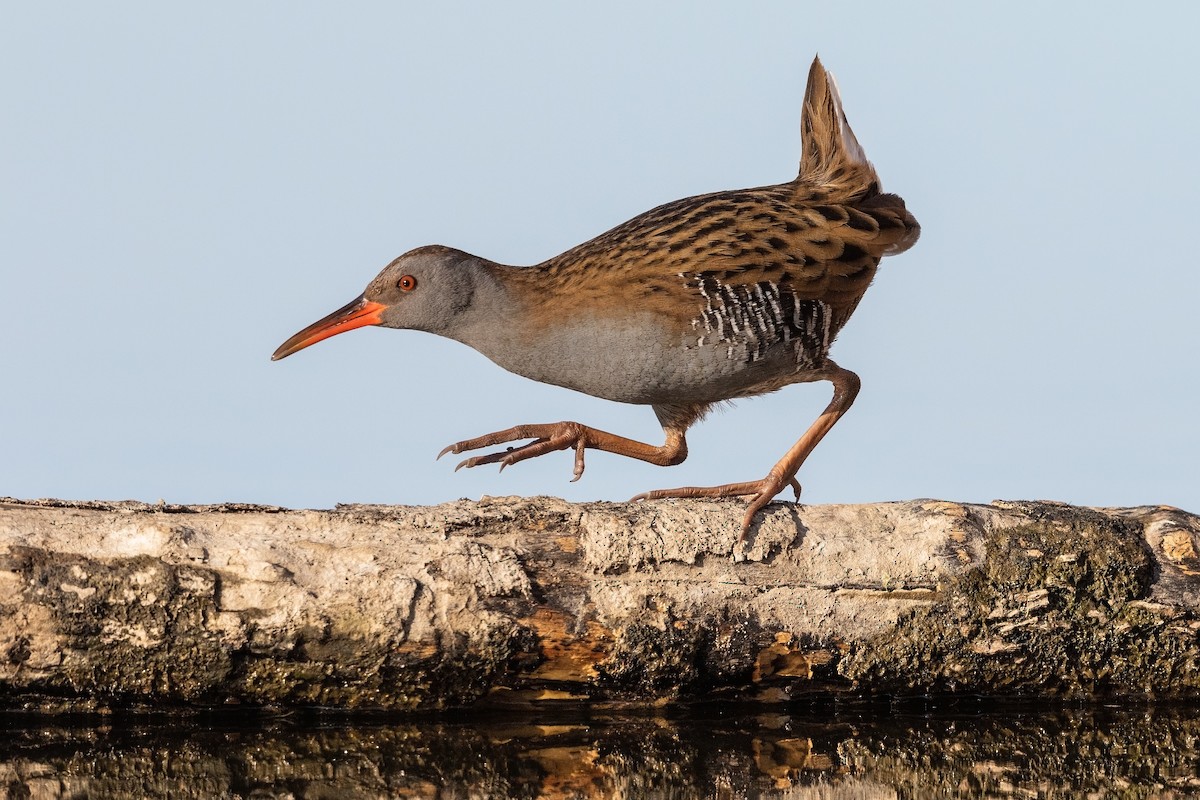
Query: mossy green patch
x=1055, y=608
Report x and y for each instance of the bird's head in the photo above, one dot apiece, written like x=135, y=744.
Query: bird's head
x=426, y=289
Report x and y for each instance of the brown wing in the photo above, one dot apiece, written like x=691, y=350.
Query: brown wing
x=788, y=237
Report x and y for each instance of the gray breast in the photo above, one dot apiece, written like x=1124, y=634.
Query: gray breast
x=732, y=347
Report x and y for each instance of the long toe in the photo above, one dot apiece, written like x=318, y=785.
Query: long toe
x=726, y=490
x=488, y=458
x=760, y=492
x=491, y=439
x=562, y=435
x=547, y=438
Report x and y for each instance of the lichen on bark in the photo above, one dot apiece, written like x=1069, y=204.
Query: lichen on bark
x=1056, y=607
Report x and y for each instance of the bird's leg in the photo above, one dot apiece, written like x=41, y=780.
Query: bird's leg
x=561, y=435
x=845, y=389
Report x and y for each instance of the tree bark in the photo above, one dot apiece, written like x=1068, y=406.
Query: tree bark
x=511, y=601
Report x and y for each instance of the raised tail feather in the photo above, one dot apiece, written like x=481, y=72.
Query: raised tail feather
x=831, y=156
x=832, y=160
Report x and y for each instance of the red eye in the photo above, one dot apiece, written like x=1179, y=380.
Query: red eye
x=407, y=283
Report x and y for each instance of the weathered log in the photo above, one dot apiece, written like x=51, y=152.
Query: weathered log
x=526, y=601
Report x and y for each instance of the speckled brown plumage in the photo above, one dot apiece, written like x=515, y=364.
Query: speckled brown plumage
x=818, y=245
x=701, y=300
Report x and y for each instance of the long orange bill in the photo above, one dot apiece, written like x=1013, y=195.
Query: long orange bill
x=355, y=314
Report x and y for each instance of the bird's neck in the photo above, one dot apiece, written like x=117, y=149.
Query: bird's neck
x=491, y=320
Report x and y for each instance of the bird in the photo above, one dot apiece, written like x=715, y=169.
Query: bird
x=699, y=301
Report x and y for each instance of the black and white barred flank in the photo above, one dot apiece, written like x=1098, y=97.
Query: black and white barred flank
x=751, y=318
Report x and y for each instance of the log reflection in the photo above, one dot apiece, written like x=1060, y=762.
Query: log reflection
x=1069, y=753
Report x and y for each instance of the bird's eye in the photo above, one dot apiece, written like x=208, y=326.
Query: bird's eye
x=407, y=283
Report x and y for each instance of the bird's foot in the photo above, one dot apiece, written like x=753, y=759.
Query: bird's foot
x=760, y=493
x=546, y=439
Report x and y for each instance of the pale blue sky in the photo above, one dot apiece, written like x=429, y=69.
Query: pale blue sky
x=186, y=185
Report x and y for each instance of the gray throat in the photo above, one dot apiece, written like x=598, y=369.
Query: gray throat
x=485, y=320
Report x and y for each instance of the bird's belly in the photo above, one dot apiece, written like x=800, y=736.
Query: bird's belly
x=638, y=361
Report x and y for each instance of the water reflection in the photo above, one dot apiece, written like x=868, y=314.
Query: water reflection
x=829, y=755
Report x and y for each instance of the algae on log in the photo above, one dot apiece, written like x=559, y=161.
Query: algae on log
x=511, y=601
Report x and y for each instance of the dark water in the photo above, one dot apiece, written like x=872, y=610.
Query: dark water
x=875, y=753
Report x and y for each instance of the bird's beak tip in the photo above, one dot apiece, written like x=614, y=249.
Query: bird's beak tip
x=355, y=314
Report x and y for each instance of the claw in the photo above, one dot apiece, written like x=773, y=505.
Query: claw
x=580, y=446
x=447, y=449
